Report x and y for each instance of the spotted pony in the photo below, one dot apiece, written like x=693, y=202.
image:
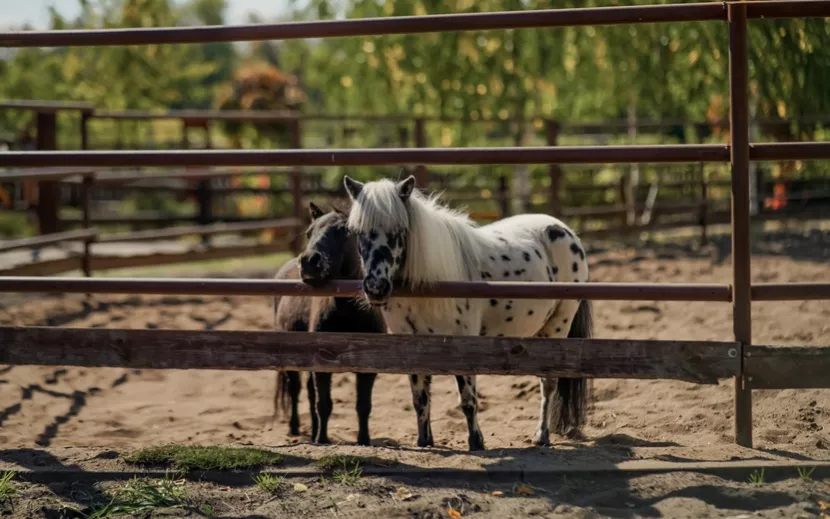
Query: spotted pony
x=409, y=239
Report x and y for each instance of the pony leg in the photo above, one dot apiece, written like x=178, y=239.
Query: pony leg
x=365, y=383
x=294, y=384
x=469, y=405
x=557, y=326
x=312, y=406
x=322, y=384
x=420, y=385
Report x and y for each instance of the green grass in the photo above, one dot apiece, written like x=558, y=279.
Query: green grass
x=140, y=496
x=7, y=487
x=757, y=477
x=187, y=458
x=347, y=469
x=14, y=224
x=805, y=474
x=269, y=483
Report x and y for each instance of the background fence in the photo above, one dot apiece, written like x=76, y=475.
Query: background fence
x=753, y=367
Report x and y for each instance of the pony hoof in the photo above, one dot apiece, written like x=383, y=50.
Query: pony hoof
x=364, y=442
x=541, y=440
x=476, y=443
x=294, y=432
x=323, y=441
x=426, y=443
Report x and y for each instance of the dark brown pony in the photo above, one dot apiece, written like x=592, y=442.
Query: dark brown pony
x=331, y=253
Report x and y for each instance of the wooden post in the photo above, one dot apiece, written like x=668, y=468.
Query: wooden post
x=86, y=260
x=504, y=196
x=554, y=170
x=85, y=116
x=421, y=173
x=204, y=193
x=298, y=206
x=704, y=205
x=741, y=275
x=48, y=190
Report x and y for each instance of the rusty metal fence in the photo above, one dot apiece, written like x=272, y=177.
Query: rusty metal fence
x=752, y=367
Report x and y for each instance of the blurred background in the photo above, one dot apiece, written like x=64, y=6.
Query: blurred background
x=641, y=84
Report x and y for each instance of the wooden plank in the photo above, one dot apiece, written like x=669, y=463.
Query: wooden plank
x=700, y=362
x=787, y=367
x=281, y=224
x=47, y=239
x=15, y=175
x=99, y=263
x=44, y=268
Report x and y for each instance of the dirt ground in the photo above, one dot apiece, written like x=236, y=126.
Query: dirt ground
x=88, y=411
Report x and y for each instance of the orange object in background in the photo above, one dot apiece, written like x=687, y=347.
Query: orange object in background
x=779, y=198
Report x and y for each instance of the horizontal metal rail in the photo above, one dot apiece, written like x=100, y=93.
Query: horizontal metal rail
x=374, y=157
x=200, y=230
x=790, y=150
x=475, y=290
x=368, y=26
x=48, y=239
x=412, y=24
x=791, y=292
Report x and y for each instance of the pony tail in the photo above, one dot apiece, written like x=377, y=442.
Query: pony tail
x=281, y=395
x=573, y=394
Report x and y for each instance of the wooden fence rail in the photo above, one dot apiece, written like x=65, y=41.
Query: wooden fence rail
x=691, y=361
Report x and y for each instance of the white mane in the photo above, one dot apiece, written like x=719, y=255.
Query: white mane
x=441, y=245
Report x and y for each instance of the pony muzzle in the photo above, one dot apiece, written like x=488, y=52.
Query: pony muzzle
x=314, y=269
x=377, y=290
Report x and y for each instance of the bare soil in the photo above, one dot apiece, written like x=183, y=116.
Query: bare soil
x=77, y=414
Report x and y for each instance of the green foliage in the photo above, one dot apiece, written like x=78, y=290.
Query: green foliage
x=269, y=483
x=183, y=457
x=141, y=496
x=8, y=490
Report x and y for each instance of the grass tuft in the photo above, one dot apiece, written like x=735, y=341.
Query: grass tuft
x=141, y=496
x=346, y=469
x=270, y=483
x=757, y=477
x=186, y=458
x=8, y=489
x=806, y=474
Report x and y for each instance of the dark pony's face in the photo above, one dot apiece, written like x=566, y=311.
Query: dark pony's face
x=382, y=251
x=328, y=239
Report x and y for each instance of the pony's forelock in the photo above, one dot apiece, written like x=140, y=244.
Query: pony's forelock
x=378, y=208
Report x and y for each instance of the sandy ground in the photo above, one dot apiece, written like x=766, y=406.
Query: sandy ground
x=121, y=409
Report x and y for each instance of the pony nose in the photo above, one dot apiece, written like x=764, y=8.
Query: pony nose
x=377, y=289
x=311, y=264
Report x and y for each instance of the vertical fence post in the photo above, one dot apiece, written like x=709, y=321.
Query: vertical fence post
x=48, y=190
x=298, y=211
x=554, y=170
x=741, y=279
x=704, y=205
x=85, y=116
x=504, y=196
x=204, y=192
x=421, y=173
x=86, y=188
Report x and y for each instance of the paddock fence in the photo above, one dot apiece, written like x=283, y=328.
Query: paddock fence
x=751, y=366
x=637, y=208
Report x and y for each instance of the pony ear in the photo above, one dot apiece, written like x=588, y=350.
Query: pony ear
x=315, y=211
x=353, y=187
x=405, y=187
